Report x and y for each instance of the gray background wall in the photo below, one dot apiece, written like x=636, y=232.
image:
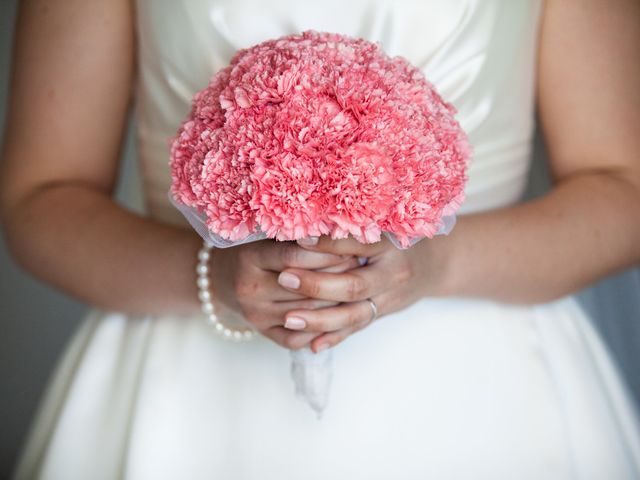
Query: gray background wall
x=36, y=322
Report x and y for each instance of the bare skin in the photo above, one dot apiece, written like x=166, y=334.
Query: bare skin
x=76, y=58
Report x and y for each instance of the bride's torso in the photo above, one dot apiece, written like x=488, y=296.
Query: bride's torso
x=480, y=55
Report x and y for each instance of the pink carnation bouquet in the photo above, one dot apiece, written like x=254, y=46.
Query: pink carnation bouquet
x=318, y=134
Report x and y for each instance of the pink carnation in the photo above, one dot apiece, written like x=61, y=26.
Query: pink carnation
x=320, y=133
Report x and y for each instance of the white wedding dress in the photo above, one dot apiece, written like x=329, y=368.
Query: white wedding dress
x=445, y=389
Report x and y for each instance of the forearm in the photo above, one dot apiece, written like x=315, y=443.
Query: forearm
x=585, y=228
x=79, y=240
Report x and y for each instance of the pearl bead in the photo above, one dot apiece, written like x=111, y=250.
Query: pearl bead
x=202, y=269
x=207, y=308
x=204, y=294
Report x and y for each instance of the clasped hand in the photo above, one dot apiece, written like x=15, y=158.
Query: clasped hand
x=387, y=279
x=315, y=294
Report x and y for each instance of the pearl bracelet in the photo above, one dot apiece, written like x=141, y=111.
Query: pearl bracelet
x=206, y=299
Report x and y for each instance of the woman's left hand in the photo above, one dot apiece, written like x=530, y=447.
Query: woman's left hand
x=392, y=278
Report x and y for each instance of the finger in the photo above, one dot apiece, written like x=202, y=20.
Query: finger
x=285, y=337
x=283, y=307
x=289, y=339
x=348, y=264
x=276, y=256
x=329, y=319
x=350, y=286
x=271, y=314
x=331, y=339
x=266, y=287
x=344, y=246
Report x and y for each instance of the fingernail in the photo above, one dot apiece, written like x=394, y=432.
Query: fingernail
x=288, y=280
x=322, y=347
x=295, y=323
x=308, y=241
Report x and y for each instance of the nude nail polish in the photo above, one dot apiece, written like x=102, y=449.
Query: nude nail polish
x=295, y=323
x=288, y=280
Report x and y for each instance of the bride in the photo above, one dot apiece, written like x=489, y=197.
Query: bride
x=480, y=362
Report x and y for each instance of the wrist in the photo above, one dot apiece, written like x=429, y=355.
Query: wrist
x=188, y=243
x=434, y=260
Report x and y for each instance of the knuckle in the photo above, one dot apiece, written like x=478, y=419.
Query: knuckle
x=290, y=255
x=312, y=287
x=353, y=318
x=404, y=272
x=356, y=288
x=245, y=287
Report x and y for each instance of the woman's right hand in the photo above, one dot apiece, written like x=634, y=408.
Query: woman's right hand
x=246, y=281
